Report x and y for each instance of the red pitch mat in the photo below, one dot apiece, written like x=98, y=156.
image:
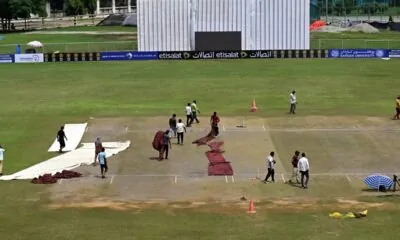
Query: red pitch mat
x=217, y=165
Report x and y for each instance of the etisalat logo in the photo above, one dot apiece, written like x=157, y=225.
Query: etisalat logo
x=256, y=54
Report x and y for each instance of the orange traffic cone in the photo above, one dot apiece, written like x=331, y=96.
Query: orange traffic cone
x=253, y=106
x=252, y=209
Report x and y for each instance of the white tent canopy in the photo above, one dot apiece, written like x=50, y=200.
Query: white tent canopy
x=35, y=44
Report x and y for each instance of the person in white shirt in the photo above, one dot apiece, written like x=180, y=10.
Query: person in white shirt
x=2, y=150
x=304, y=168
x=271, y=167
x=188, y=111
x=293, y=102
x=180, y=129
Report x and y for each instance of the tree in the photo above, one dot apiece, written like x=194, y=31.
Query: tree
x=39, y=8
x=57, y=5
x=90, y=6
x=21, y=9
x=74, y=7
x=344, y=7
x=5, y=14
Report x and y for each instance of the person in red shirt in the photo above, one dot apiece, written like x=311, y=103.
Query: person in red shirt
x=295, y=172
x=214, y=121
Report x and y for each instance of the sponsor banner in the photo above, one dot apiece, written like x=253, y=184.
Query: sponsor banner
x=72, y=57
x=214, y=55
x=6, y=58
x=395, y=53
x=358, y=53
x=29, y=58
x=128, y=56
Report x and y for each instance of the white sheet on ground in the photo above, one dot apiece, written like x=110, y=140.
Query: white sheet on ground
x=74, y=133
x=67, y=161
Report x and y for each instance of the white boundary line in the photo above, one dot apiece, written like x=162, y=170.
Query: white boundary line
x=233, y=179
x=243, y=175
x=283, y=177
x=348, y=178
x=226, y=179
x=59, y=182
x=112, y=179
x=126, y=129
x=176, y=179
x=264, y=129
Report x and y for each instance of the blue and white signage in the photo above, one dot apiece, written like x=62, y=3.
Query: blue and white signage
x=128, y=56
x=358, y=53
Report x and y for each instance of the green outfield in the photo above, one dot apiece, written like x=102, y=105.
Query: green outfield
x=77, y=39
x=350, y=94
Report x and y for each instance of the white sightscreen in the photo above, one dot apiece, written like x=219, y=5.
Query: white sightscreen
x=169, y=25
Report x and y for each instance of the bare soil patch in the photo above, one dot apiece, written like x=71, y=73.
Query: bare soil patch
x=295, y=204
x=139, y=181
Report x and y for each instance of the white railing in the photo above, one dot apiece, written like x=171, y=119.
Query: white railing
x=355, y=43
x=132, y=45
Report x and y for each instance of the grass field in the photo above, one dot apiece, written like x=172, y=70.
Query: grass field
x=58, y=40
x=342, y=123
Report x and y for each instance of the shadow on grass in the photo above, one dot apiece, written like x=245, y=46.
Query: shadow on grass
x=295, y=185
x=393, y=197
x=376, y=190
x=371, y=190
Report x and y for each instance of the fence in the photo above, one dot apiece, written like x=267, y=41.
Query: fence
x=356, y=10
x=131, y=45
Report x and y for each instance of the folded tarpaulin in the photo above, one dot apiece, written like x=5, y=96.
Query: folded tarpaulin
x=394, y=26
x=349, y=214
x=379, y=25
x=220, y=169
x=158, y=140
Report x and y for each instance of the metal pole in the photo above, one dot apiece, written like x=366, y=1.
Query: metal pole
x=326, y=10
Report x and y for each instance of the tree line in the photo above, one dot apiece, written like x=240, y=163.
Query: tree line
x=23, y=9
x=341, y=7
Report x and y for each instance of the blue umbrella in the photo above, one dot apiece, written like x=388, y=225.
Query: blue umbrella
x=374, y=181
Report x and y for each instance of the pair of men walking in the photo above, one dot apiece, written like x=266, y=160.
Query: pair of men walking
x=191, y=111
x=301, y=165
x=177, y=128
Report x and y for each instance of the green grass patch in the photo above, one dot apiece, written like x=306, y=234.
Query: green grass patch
x=38, y=98
x=43, y=96
x=127, y=29
x=106, y=42
x=77, y=42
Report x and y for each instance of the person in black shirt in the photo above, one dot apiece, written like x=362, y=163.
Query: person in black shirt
x=172, y=124
x=61, y=137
